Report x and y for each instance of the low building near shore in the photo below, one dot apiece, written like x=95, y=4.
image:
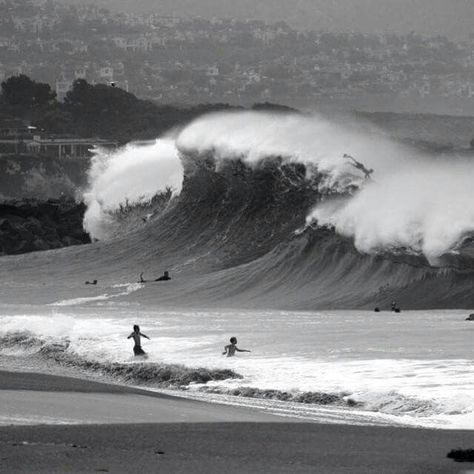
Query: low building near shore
x=67, y=147
x=18, y=137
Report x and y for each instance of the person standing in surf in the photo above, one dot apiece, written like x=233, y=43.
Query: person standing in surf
x=136, y=334
x=231, y=348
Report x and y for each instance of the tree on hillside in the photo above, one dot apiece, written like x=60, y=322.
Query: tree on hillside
x=108, y=111
x=20, y=91
x=99, y=97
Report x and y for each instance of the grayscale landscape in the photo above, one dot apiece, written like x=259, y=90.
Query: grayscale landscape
x=236, y=236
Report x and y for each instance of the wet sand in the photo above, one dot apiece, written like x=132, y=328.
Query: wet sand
x=159, y=433
x=32, y=398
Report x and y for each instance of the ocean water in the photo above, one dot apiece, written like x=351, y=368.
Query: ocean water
x=414, y=368
x=251, y=211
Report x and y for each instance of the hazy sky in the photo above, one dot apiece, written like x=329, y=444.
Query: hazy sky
x=453, y=18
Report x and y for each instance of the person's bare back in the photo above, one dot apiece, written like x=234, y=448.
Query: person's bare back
x=136, y=335
x=232, y=348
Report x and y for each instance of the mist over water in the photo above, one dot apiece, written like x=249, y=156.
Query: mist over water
x=415, y=203
x=423, y=207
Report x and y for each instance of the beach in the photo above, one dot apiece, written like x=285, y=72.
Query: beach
x=160, y=433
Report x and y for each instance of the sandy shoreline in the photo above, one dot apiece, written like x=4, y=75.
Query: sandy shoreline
x=143, y=431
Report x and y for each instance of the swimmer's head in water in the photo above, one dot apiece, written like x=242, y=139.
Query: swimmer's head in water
x=233, y=340
x=136, y=328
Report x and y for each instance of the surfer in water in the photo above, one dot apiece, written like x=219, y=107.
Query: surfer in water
x=231, y=348
x=136, y=334
x=358, y=165
x=394, y=307
x=164, y=277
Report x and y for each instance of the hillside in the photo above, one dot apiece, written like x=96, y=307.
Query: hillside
x=432, y=17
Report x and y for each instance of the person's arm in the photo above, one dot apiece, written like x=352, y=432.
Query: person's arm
x=225, y=350
x=352, y=159
x=131, y=335
x=242, y=350
x=144, y=335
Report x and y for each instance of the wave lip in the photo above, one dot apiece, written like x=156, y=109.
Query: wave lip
x=131, y=176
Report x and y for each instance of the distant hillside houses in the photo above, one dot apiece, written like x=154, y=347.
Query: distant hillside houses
x=193, y=60
x=111, y=74
x=133, y=43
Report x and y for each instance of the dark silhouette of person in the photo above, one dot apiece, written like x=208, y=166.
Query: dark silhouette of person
x=394, y=307
x=164, y=277
x=93, y=282
x=358, y=165
x=141, y=278
x=136, y=334
x=232, y=348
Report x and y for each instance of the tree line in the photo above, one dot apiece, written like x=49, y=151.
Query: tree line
x=97, y=110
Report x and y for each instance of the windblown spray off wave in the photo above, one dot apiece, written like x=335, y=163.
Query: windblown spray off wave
x=415, y=203
x=275, y=191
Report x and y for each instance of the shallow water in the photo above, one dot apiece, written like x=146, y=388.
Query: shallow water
x=412, y=368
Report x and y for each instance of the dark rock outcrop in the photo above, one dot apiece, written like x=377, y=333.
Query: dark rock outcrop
x=31, y=225
x=461, y=455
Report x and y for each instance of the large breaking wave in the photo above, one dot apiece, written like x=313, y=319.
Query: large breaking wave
x=415, y=203
x=275, y=192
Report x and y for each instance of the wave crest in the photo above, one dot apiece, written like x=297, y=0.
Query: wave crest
x=415, y=202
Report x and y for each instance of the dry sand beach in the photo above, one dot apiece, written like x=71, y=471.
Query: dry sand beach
x=108, y=428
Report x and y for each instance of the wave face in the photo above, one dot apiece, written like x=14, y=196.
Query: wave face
x=267, y=205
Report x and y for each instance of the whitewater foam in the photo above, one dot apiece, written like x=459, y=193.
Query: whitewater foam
x=129, y=176
x=413, y=368
x=425, y=207
x=128, y=289
x=414, y=203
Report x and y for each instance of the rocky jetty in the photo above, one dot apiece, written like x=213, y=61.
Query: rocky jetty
x=31, y=225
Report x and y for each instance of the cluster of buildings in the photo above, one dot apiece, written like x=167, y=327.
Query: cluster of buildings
x=195, y=60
